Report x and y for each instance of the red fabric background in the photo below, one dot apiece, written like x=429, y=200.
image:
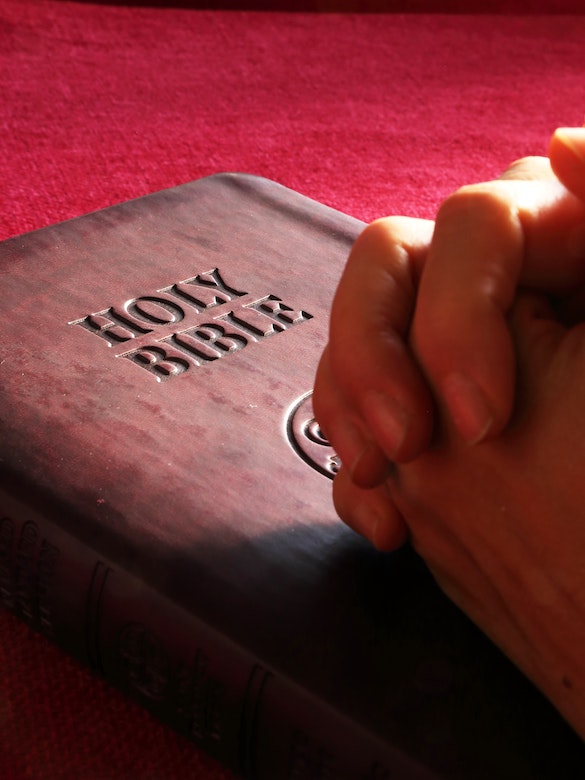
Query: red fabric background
x=379, y=6
x=370, y=114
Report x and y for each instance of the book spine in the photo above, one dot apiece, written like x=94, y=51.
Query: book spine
x=195, y=679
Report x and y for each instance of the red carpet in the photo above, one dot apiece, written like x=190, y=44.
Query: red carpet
x=372, y=114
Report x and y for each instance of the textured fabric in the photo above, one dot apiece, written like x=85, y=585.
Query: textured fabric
x=370, y=114
x=378, y=6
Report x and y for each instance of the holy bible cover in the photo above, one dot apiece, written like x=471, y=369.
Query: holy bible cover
x=165, y=509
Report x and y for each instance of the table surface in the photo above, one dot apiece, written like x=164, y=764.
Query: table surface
x=370, y=114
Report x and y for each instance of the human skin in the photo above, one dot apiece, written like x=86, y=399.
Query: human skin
x=452, y=388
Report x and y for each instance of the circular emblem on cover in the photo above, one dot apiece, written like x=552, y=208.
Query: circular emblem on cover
x=307, y=439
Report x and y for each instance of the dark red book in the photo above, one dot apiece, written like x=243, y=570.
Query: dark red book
x=165, y=503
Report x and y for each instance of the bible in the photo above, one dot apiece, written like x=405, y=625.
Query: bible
x=165, y=503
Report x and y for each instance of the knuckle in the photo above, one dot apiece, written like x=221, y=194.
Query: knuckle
x=390, y=231
x=528, y=168
x=375, y=237
x=471, y=197
x=488, y=203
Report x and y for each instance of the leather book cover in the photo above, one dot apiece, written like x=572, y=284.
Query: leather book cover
x=165, y=502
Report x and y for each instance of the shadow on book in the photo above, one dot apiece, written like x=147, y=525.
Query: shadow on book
x=348, y=649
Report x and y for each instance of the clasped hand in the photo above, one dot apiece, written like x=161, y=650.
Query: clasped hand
x=454, y=395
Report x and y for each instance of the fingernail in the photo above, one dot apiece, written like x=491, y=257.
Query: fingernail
x=574, y=139
x=467, y=408
x=389, y=420
x=349, y=444
x=385, y=530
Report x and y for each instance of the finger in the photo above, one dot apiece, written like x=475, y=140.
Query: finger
x=529, y=169
x=549, y=216
x=488, y=239
x=363, y=458
x=459, y=332
x=567, y=156
x=368, y=352
x=371, y=513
